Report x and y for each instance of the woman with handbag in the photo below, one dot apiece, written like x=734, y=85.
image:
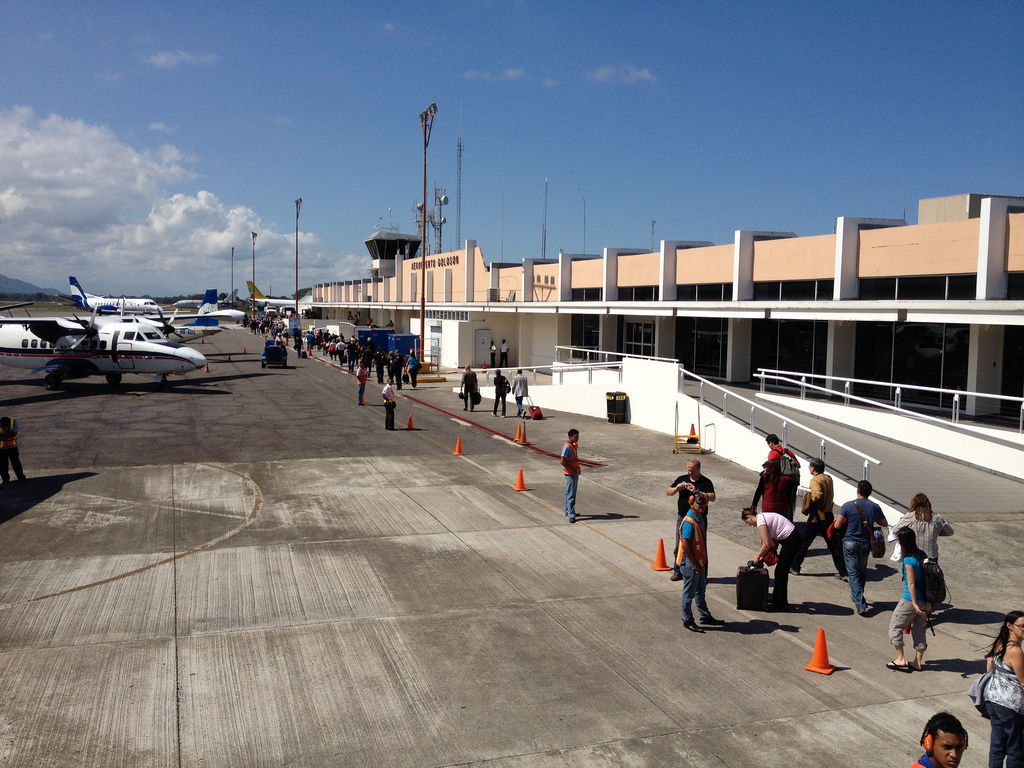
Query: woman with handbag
x=912, y=608
x=1004, y=696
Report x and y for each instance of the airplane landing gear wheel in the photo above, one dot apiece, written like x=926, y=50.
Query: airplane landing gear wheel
x=51, y=381
x=113, y=379
x=161, y=383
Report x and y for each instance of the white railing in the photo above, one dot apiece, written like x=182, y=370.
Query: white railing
x=755, y=407
x=791, y=377
x=557, y=371
x=605, y=355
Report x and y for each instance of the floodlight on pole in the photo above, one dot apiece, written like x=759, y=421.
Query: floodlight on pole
x=253, y=292
x=426, y=123
x=298, y=205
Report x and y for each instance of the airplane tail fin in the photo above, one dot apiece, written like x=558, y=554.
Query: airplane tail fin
x=255, y=292
x=78, y=295
x=209, y=302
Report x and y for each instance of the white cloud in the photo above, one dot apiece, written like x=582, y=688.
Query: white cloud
x=159, y=127
x=627, y=74
x=512, y=74
x=77, y=200
x=549, y=82
x=172, y=59
x=476, y=74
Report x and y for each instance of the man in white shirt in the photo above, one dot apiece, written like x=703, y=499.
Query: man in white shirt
x=388, y=395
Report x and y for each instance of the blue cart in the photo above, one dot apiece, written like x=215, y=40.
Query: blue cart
x=274, y=354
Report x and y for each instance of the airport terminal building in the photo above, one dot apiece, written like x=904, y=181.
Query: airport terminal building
x=939, y=303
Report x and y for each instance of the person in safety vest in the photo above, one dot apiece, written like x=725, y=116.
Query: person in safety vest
x=944, y=740
x=571, y=470
x=9, y=450
x=692, y=560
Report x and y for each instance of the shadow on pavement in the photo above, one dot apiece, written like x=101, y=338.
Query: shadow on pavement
x=23, y=495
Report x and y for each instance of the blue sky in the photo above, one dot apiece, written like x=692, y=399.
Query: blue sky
x=139, y=141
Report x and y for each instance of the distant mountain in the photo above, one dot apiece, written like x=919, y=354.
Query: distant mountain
x=11, y=285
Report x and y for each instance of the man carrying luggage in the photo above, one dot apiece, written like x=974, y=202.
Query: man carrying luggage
x=692, y=562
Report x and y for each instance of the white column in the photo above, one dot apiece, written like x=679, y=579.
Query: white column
x=399, y=296
x=564, y=286
x=743, y=266
x=984, y=367
x=413, y=292
x=610, y=274
x=527, y=292
x=839, y=357
x=386, y=289
x=469, y=256
x=667, y=271
x=737, y=362
x=992, y=281
x=846, y=282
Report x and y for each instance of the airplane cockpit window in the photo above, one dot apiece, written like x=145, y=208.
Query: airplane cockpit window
x=152, y=335
x=129, y=336
x=103, y=344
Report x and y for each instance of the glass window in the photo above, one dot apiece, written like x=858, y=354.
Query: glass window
x=585, y=332
x=153, y=335
x=789, y=345
x=586, y=294
x=24, y=343
x=701, y=345
x=638, y=338
x=35, y=343
x=1013, y=369
x=877, y=288
x=927, y=287
x=1015, y=285
x=686, y=292
x=962, y=287
x=798, y=290
x=769, y=291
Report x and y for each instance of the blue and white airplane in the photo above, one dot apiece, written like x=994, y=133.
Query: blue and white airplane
x=211, y=308
x=122, y=304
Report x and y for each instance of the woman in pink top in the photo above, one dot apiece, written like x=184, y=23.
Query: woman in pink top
x=774, y=529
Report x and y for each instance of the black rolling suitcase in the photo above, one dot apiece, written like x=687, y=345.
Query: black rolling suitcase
x=751, y=588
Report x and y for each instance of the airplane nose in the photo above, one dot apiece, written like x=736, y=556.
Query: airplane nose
x=197, y=359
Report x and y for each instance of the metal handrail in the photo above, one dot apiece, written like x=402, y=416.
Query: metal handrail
x=955, y=422
x=786, y=421
x=608, y=353
x=897, y=394
x=561, y=368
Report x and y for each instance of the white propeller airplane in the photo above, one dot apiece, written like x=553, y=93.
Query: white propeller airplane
x=211, y=308
x=72, y=348
x=269, y=303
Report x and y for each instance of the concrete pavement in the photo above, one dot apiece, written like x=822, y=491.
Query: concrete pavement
x=247, y=569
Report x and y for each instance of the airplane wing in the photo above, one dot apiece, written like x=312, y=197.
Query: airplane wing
x=50, y=329
x=8, y=307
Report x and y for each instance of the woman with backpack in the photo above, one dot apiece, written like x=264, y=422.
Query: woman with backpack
x=912, y=608
x=1004, y=696
x=773, y=490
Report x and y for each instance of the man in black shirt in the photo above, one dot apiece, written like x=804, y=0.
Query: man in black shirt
x=684, y=486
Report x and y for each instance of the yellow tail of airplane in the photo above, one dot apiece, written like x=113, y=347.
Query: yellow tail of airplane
x=254, y=292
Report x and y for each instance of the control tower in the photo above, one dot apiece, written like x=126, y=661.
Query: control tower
x=386, y=247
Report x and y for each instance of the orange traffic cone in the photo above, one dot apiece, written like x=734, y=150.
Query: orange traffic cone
x=409, y=425
x=458, y=447
x=659, y=563
x=243, y=350
x=692, y=438
x=819, y=661
x=522, y=434
x=207, y=369
x=518, y=440
x=520, y=483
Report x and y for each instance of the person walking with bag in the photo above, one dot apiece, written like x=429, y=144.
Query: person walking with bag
x=501, y=390
x=520, y=389
x=1004, y=696
x=912, y=608
x=470, y=389
x=817, y=505
x=858, y=519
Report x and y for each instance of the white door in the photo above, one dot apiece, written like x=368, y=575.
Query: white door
x=482, y=347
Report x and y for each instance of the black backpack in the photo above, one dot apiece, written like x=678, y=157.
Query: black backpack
x=934, y=582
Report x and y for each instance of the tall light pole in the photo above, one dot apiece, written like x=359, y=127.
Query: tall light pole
x=253, y=292
x=298, y=205
x=232, y=294
x=426, y=123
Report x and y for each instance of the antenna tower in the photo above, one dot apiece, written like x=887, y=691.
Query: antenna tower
x=458, y=193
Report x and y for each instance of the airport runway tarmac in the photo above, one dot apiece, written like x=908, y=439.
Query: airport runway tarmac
x=246, y=570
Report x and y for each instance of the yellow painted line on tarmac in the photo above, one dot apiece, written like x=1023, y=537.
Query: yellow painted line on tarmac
x=256, y=507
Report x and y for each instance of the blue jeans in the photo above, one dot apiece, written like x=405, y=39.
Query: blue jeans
x=571, y=483
x=1007, y=737
x=695, y=584
x=362, y=389
x=855, y=555
x=519, y=405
